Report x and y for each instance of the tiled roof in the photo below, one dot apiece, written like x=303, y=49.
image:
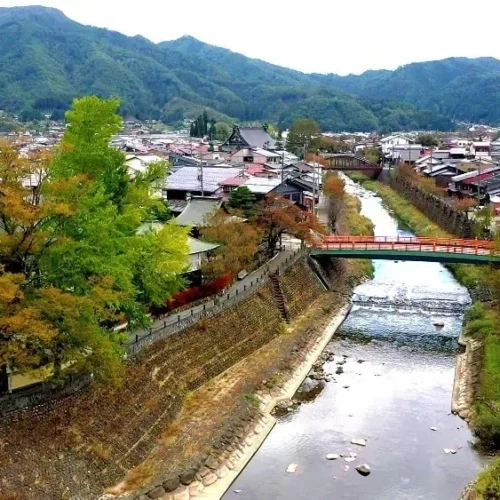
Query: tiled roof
x=188, y=178
x=197, y=209
x=261, y=185
x=257, y=137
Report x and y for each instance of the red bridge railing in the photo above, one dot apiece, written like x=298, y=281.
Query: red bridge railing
x=408, y=244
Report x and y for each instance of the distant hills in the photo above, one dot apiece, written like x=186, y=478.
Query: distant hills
x=46, y=59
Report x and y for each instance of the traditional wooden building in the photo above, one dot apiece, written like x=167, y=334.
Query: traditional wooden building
x=249, y=137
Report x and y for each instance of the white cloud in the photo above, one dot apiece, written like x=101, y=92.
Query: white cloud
x=313, y=36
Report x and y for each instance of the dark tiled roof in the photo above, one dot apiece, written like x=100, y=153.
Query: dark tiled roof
x=196, y=211
x=257, y=137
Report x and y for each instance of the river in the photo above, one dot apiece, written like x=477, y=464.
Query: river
x=396, y=385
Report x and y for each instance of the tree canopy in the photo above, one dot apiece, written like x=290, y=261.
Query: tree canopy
x=278, y=215
x=301, y=135
x=71, y=259
x=243, y=199
x=239, y=243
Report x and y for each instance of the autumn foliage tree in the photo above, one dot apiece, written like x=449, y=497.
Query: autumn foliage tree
x=239, y=242
x=71, y=262
x=334, y=192
x=278, y=215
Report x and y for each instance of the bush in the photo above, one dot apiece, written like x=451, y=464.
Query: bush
x=195, y=293
x=488, y=482
x=487, y=407
x=480, y=321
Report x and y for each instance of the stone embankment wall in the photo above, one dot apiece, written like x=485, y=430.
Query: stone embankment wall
x=436, y=209
x=85, y=443
x=300, y=286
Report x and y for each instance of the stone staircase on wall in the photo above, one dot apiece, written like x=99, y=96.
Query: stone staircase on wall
x=278, y=296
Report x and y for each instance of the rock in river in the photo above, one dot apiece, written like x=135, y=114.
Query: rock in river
x=292, y=468
x=332, y=456
x=359, y=442
x=364, y=469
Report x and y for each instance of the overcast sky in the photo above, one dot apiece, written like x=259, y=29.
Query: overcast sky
x=312, y=36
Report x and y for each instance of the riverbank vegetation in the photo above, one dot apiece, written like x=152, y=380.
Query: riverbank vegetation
x=482, y=320
x=344, y=216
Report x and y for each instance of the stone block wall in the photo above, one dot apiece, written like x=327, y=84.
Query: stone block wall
x=300, y=286
x=84, y=443
x=440, y=212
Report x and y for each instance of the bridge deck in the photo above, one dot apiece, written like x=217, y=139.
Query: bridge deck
x=409, y=248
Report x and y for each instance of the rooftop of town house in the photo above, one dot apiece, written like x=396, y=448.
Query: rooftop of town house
x=481, y=177
x=197, y=209
x=267, y=154
x=176, y=206
x=458, y=151
x=474, y=173
x=253, y=137
x=262, y=185
x=233, y=181
x=392, y=137
x=189, y=178
x=255, y=168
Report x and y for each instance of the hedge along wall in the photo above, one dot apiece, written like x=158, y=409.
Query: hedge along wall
x=87, y=442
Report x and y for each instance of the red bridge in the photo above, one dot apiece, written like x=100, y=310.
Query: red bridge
x=409, y=248
x=348, y=161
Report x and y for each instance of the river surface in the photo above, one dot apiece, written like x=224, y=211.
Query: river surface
x=396, y=384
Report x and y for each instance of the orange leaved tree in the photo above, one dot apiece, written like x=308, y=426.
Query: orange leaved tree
x=278, y=215
x=334, y=191
x=238, y=242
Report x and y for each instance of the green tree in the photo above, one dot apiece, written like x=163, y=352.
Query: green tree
x=373, y=155
x=223, y=131
x=301, y=136
x=71, y=259
x=428, y=140
x=243, y=199
x=212, y=132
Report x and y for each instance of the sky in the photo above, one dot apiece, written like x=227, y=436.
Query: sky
x=322, y=36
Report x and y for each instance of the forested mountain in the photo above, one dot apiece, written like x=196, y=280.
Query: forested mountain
x=46, y=59
x=459, y=88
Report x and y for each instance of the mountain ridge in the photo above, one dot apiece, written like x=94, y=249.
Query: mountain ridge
x=46, y=59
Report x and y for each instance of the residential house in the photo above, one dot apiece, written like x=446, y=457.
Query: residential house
x=249, y=137
x=196, y=212
x=255, y=155
x=195, y=181
x=458, y=153
x=480, y=149
x=442, y=174
x=474, y=183
x=138, y=164
x=388, y=143
x=297, y=190
x=495, y=150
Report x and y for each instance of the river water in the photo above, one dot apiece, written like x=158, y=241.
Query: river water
x=397, y=380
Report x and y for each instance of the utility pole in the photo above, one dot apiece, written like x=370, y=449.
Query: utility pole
x=283, y=165
x=201, y=179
